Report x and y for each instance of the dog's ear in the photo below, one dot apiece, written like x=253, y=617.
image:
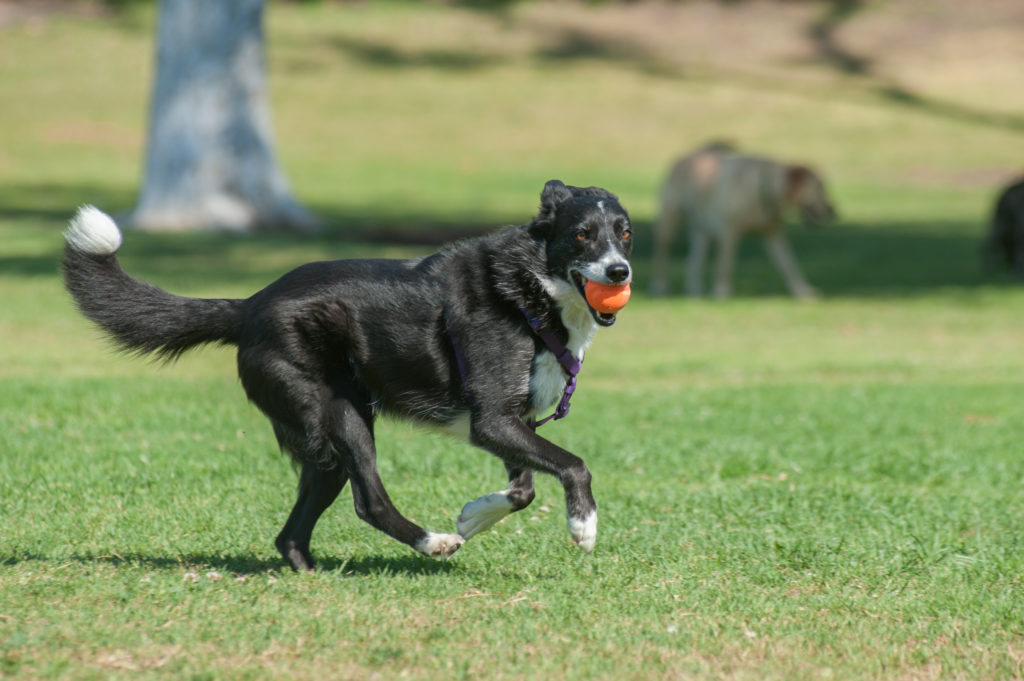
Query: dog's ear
x=796, y=176
x=555, y=193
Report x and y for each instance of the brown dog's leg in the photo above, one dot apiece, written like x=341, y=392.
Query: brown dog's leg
x=782, y=256
x=664, y=237
x=695, y=260
x=728, y=241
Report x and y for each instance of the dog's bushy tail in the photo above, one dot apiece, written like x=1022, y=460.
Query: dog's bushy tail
x=139, y=317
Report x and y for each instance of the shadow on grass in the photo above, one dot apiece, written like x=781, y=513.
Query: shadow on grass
x=218, y=257
x=40, y=203
x=907, y=258
x=823, y=34
x=201, y=563
x=57, y=202
x=850, y=259
x=575, y=43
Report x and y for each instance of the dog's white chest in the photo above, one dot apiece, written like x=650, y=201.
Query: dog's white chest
x=547, y=377
x=547, y=382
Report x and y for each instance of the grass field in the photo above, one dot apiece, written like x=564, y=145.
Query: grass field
x=788, y=491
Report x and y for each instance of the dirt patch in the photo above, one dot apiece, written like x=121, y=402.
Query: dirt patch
x=865, y=40
x=93, y=133
x=35, y=13
x=968, y=178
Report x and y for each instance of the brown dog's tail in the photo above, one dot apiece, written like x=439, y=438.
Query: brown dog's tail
x=139, y=317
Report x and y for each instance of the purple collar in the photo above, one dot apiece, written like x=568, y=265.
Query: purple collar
x=564, y=356
x=569, y=363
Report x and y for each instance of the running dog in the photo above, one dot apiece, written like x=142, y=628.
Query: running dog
x=465, y=339
x=721, y=196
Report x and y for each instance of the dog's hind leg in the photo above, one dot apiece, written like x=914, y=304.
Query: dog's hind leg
x=294, y=403
x=328, y=429
x=318, y=488
x=352, y=437
x=695, y=259
x=483, y=513
x=664, y=233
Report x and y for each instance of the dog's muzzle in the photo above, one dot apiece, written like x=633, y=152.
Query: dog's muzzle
x=615, y=273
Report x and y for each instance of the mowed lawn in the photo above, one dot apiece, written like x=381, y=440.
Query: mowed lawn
x=786, y=490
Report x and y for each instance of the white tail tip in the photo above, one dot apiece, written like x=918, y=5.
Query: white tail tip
x=93, y=231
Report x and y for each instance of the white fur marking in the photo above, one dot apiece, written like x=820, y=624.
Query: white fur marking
x=93, y=231
x=600, y=205
x=440, y=545
x=547, y=382
x=597, y=271
x=584, y=532
x=483, y=513
x=575, y=313
x=547, y=378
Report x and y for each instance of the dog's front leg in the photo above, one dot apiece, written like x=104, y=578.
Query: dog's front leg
x=781, y=255
x=521, y=448
x=725, y=261
x=480, y=515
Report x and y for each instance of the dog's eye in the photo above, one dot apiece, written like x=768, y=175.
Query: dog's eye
x=627, y=234
x=581, y=235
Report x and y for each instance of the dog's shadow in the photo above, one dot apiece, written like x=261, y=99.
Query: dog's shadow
x=244, y=566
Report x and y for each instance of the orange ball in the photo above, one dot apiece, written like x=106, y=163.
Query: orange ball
x=606, y=299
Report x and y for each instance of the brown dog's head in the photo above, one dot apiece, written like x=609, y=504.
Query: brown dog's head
x=806, y=192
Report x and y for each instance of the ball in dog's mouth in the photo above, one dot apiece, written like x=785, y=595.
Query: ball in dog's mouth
x=604, y=300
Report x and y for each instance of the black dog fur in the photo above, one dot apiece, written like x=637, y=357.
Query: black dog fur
x=1004, y=245
x=328, y=346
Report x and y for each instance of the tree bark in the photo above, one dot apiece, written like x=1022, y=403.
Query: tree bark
x=210, y=161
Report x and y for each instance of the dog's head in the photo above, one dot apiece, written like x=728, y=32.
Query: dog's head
x=806, y=192
x=587, y=236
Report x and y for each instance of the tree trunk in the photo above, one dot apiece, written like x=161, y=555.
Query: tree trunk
x=210, y=160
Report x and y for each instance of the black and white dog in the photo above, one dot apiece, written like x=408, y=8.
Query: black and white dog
x=461, y=339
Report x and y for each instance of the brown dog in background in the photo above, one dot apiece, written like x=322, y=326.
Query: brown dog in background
x=722, y=195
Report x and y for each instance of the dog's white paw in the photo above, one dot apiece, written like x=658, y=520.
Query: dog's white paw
x=440, y=545
x=481, y=514
x=584, y=531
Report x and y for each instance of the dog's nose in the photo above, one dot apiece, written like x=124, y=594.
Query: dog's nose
x=617, y=272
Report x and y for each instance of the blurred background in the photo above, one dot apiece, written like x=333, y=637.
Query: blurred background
x=409, y=122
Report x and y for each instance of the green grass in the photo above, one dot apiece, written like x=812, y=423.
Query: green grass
x=787, y=491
